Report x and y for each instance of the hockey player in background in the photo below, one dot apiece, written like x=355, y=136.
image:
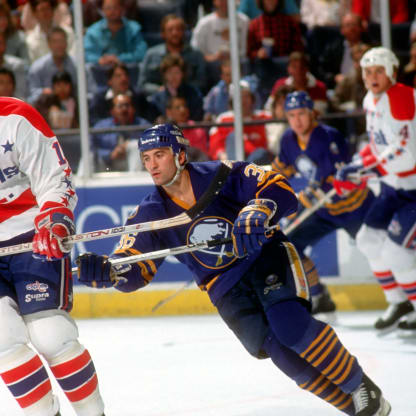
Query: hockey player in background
x=37, y=199
x=257, y=282
x=388, y=235
x=312, y=151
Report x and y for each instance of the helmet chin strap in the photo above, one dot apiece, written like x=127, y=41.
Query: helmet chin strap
x=179, y=169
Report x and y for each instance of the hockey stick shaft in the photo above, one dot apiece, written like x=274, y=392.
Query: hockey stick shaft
x=181, y=219
x=309, y=211
x=187, y=248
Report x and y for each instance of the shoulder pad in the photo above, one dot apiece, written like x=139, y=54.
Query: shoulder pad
x=402, y=102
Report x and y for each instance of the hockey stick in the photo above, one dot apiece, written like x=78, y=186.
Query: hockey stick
x=309, y=211
x=181, y=219
x=187, y=248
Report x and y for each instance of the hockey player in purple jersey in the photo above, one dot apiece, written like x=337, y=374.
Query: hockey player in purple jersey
x=256, y=282
x=313, y=151
x=388, y=235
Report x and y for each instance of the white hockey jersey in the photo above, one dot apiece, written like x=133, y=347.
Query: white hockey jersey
x=33, y=169
x=391, y=127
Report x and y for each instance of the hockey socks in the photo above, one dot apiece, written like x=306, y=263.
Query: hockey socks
x=27, y=379
x=307, y=377
x=316, y=342
x=75, y=373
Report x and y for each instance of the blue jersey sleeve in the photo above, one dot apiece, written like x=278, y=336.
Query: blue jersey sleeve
x=140, y=273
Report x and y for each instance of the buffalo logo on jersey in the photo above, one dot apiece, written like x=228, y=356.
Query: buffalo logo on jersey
x=212, y=228
x=306, y=167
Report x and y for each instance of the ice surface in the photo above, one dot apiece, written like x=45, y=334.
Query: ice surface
x=193, y=365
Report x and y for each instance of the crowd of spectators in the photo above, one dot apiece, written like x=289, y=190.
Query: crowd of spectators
x=149, y=62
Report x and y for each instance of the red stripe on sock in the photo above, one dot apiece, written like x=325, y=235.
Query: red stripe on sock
x=84, y=391
x=35, y=395
x=71, y=366
x=390, y=286
x=22, y=371
x=408, y=285
x=387, y=273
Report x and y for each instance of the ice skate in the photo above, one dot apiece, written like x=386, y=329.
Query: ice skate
x=323, y=307
x=391, y=317
x=369, y=401
x=407, y=328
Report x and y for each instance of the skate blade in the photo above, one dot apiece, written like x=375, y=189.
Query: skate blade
x=406, y=333
x=386, y=331
x=385, y=408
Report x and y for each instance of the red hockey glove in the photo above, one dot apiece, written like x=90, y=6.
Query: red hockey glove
x=52, y=226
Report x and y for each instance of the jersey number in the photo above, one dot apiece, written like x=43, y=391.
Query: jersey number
x=58, y=151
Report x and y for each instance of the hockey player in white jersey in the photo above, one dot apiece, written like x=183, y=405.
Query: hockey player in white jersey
x=388, y=235
x=36, y=203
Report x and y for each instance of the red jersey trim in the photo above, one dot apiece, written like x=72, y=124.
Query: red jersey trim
x=402, y=102
x=21, y=204
x=9, y=106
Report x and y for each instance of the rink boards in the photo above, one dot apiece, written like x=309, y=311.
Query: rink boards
x=106, y=202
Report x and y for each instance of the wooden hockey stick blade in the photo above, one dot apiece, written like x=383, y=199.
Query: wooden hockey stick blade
x=181, y=219
x=308, y=212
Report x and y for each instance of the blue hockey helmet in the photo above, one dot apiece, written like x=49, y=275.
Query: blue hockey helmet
x=298, y=99
x=163, y=135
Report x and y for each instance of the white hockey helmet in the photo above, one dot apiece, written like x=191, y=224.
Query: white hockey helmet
x=381, y=56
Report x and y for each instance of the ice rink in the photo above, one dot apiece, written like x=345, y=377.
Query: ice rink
x=193, y=365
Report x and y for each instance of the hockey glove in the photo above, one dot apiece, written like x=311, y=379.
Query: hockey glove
x=311, y=195
x=348, y=178
x=96, y=271
x=52, y=226
x=250, y=227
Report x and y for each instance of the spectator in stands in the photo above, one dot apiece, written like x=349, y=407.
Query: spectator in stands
x=16, y=43
x=271, y=38
x=249, y=8
x=37, y=38
x=114, y=38
x=275, y=131
x=177, y=112
x=173, y=71
x=61, y=15
x=173, y=34
x=7, y=83
x=15, y=65
x=211, y=33
x=408, y=76
x=118, y=151
x=217, y=99
x=364, y=8
x=350, y=91
x=59, y=107
x=335, y=61
x=302, y=80
x=118, y=82
x=349, y=95
x=322, y=12
x=44, y=68
x=91, y=11
x=273, y=33
x=222, y=140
